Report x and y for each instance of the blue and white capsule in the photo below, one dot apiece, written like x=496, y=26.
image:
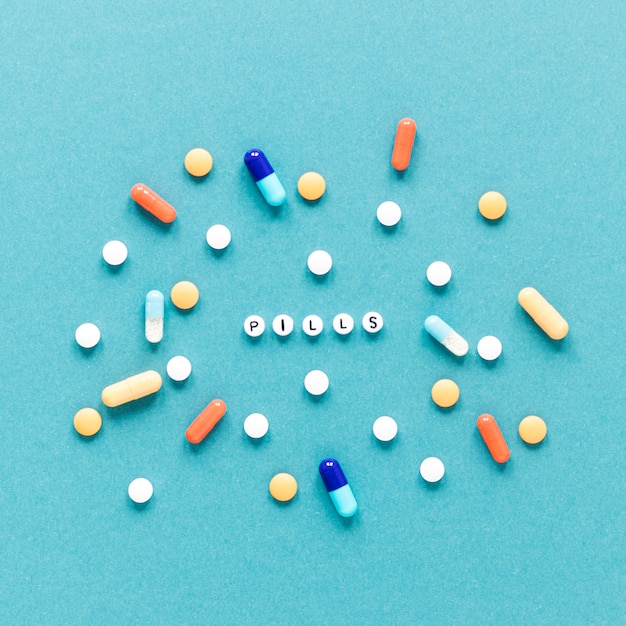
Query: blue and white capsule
x=338, y=488
x=265, y=177
x=154, y=316
x=446, y=335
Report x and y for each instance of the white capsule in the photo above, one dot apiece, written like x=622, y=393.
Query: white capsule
x=254, y=325
x=312, y=325
x=343, y=324
x=372, y=322
x=282, y=325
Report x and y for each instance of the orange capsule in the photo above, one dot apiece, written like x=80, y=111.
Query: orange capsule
x=153, y=203
x=492, y=436
x=403, y=144
x=205, y=422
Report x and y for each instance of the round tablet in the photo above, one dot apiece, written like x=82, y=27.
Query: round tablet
x=388, y=213
x=438, y=273
x=283, y=487
x=282, y=325
x=87, y=335
x=198, y=162
x=385, y=428
x=179, y=368
x=87, y=422
x=316, y=382
x=489, y=348
x=256, y=425
x=184, y=295
x=311, y=186
x=218, y=236
x=532, y=429
x=372, y=322
x=115, y=252
x=343, y=324
x=319, y=262
x=254, y=325
x=445, y=393
x=492, y=205
x=432, y=469
x=140, y=490
x=312, y=325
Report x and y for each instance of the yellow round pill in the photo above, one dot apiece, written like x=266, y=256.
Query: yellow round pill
x=184, y=295
x=311, y=186
x=198, y=162
x=445, y=393
x=492, y=205
x=283, y=487
x=87, y=422
x=532, y=429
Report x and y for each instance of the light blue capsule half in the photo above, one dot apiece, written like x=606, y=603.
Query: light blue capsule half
x=272, y=190
x=344, y=501
x=446, y=335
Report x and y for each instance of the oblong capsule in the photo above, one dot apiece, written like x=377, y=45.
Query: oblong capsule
x=446, y=336
x=265, y=177
x=132, y=388
x=403, y=144
x=493, y=438
x=338, y=488
x=206, y=421
x=154, y=316
x=543, y=313
x=153, y=203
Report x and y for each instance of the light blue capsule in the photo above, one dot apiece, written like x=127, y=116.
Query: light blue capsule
x=154, y=316
x=446, y=335
x=272, y=190
x=344, y=501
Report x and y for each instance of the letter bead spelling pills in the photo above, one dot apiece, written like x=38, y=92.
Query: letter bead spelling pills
x=282, y=325
x=153, y=203
x=206, y=421
x=312, y=325
x=132, y=388
x=343, y=324
x=493, y=438
x=372, y=322
x=265, y=177
x=403, y=144
x=254, y=326
x=338, y=488
x=543, y=313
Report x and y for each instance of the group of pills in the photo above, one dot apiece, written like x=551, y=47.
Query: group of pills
x=184, y=295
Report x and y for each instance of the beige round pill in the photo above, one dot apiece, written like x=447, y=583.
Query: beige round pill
x=198, y=162
x=87, y=422
x=184, y=295
x=283, y=487
x=311, y=186
x=445, y=393
x=492, y=205
x=532, y=429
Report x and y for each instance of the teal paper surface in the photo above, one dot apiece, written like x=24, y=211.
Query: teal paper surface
x=522, y=98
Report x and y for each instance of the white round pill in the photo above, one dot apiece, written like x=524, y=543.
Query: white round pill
x=179, y=368
x=438, y=273
x=385, y=428
x=312, y=325
x=115, y=252
x=254, y=325
x=388, y=213
x=489, y=348
x=319, y=262
x=343, y=324
x=218, y=237
x=140, y=490
x=282, y=325
x=316, y=382
x=432, y=469
x=372, y=322
x=87, y=335
x=256, y=425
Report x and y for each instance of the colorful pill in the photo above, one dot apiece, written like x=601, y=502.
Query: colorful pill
x=403, y=144
x=265, y=177
x=543, y=313
x=206, y=421
x=153, y=203
x=132, y=388
x=154, y=316
x=492, y=436
x=338, y=488
x=445, y=335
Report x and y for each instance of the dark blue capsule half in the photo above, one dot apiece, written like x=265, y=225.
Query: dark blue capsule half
x=332, y=474
x=257, y=164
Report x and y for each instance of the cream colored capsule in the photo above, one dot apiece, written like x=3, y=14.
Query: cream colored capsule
x=132, y=388
x=543, y=313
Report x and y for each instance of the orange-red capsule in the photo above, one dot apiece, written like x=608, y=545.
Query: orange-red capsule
x=403, y=144
x=205, y=422
x=153, y=203
x=492, y=436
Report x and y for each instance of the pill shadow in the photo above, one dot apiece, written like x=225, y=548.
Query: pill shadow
x=197, y=179
x=140, y=211
x=134, y=407
x=185, y=312
x=258, y=442
x=438, y=289
x=490, y=364
x=384, y=445
x=431, y=487
x=490, y=223
x=253, y=341
x=140, y=507
x=343, y=338
x=558, y=345
x=114, y=269
x=388, y=230
x=372, y=336
x=486, y=455
x=87, y=352
x=316, y=279
x=218, y=254
x=315, y=399
x=280, y=504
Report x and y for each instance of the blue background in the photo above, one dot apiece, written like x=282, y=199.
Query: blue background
x=513, y=96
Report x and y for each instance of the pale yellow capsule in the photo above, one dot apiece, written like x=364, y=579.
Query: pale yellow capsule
x=543, y=313
x=132, y=388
